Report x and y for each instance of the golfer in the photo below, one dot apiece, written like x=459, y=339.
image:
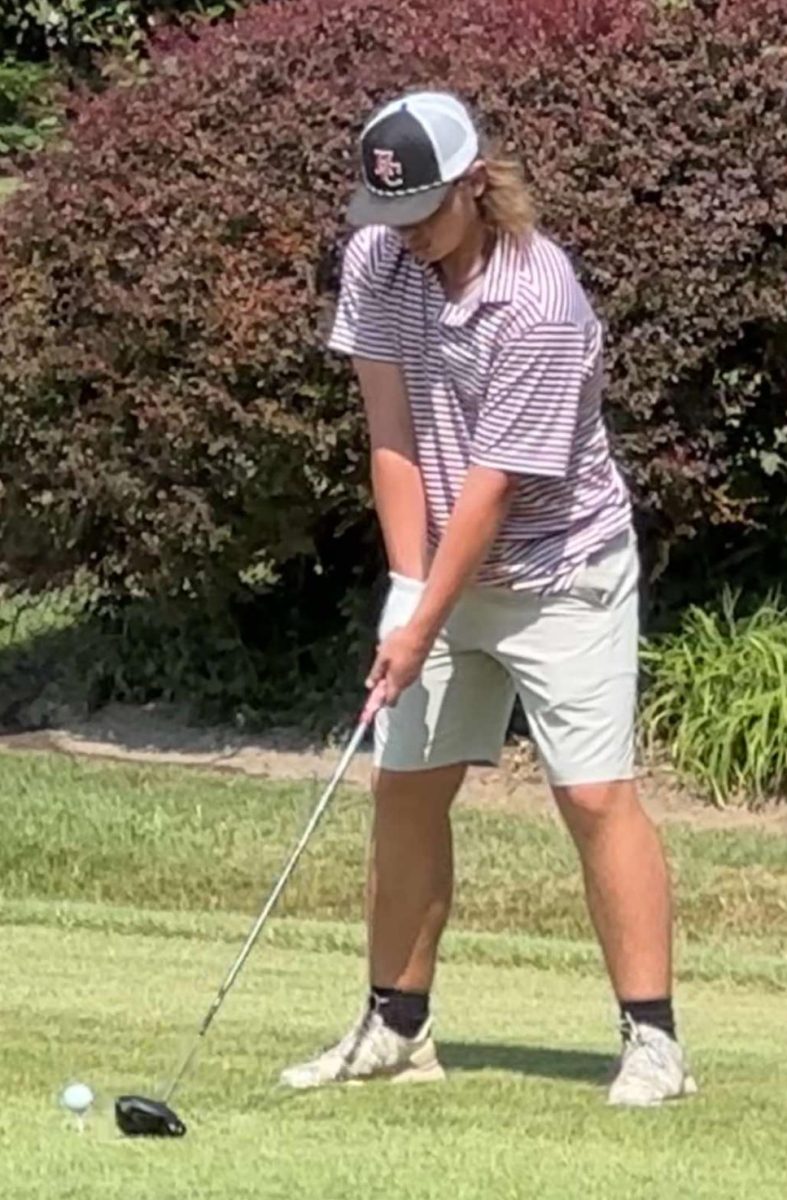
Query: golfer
x=513, y=571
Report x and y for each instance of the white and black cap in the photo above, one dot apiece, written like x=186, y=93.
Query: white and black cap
x=412, y=150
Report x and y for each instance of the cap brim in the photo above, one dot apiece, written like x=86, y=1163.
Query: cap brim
x=368, y=209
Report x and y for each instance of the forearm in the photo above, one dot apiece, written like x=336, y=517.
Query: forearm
x=479, y=512
x=401, y=510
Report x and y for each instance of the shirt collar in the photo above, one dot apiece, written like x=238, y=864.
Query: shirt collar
x=499, y=285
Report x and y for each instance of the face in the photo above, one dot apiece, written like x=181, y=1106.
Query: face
x=440, y=235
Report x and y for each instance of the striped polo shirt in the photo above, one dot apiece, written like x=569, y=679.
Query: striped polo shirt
x=509, y=378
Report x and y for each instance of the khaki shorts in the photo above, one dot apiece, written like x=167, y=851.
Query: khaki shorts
x=570, y=657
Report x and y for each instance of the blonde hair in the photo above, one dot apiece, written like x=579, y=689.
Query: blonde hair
x=506, y=205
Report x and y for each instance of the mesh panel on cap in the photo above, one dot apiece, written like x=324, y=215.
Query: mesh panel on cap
x=451, y=130
x=451, y=136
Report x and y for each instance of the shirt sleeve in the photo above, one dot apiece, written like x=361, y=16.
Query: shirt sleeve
x=527, y=420
x=363, y=326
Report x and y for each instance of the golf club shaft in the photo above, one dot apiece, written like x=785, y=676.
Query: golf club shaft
x=366, y=719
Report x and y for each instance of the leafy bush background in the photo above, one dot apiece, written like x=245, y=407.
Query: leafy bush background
x=170, y=419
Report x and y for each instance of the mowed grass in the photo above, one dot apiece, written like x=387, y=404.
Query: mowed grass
x=521, y=1115
x=126, y=892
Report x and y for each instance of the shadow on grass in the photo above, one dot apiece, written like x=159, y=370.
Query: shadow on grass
x=545, y=1062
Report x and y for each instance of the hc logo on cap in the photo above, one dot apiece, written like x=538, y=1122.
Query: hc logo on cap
x=388, y=169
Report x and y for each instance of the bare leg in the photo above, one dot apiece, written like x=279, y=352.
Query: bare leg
x=410, y=874
x=626, y=884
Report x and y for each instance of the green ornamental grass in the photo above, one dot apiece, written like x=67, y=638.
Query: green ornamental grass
x=716, y=700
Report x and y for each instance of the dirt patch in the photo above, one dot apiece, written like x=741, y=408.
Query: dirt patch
x=158, y=734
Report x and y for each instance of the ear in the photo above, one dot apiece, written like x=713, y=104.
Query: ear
x=477, y=178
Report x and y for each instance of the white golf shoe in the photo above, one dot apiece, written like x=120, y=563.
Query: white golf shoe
x=652, y=1069
x=370, y=1051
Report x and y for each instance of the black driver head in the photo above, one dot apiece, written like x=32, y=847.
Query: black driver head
x=136, y=1116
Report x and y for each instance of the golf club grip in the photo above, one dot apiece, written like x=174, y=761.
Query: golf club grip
x=370, y=711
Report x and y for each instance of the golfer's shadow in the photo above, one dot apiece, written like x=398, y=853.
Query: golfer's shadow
x=539, y=1061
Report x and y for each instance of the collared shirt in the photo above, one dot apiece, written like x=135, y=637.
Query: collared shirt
x=511, y=378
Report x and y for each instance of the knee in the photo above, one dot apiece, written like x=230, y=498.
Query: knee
x=590, y=803
x=416, y=795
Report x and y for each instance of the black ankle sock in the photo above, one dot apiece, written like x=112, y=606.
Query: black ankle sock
x=404, y=1012
x=657, y=1013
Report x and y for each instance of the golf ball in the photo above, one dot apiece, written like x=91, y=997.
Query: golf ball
x=77, y=1097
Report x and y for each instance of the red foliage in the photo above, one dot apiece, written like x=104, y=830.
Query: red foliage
x=165, y=281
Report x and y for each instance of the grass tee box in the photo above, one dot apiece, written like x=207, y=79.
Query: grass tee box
x=126, y=893
x=522, y=1113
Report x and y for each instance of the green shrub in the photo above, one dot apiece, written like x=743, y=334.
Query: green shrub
x=251, y=661
x=716, y=700
x=53, y=660
x=254, y=662
x=81, y=32
x=27, y=116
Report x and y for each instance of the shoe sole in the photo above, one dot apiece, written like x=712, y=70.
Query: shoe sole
x=427, y=1073
x=430, y=1073
x=688, y=1090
